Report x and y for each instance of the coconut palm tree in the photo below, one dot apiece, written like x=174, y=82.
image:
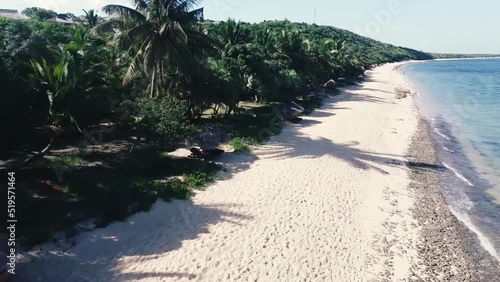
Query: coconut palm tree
x=90, y=19
x=338, y=50
x=292, y=47
x=83, y=69
x=54, y=78
x=265, y=39
x=233, y=35
x=329, y=55
x=162, y=35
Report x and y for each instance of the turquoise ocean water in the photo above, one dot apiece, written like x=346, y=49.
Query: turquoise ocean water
x=461, y=99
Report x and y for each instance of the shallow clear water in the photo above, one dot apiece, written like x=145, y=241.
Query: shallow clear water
x=461, y=99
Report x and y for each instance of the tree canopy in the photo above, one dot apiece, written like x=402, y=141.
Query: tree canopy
x=165, y=50
x=39, y=13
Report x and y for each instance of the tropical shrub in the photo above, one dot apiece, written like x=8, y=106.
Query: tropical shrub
x=163, y=117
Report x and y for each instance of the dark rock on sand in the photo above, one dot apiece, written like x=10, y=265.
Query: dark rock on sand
x=208, y=138
x=291, y=111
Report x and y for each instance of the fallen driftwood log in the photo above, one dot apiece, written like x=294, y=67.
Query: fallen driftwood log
x=50, y=131
x=330, y=84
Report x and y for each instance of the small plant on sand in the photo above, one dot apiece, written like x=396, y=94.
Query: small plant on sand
x=173, y=189
x=199, y=179
x=66, y=161
x=240, y=145
x=165, y=154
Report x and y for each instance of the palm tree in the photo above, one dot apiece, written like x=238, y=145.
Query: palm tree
x=54, y=79
x=265, y=39
x=83, y=68
x=162, y=36
x=339, y=49
x=292, y=46
x=91, y=19
x=233, y=35
x=330, y=55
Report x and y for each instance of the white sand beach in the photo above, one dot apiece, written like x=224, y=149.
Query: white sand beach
x=328, y=199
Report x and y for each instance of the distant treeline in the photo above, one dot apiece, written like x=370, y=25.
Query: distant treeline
x=462, y=56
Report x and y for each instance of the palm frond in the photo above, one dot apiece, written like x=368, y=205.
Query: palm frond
x=37, y=68
x=61, y=71
x=149, y=52
x=132, y=69
x=126, y=12
x=107, y=26
x=135, y=35
x=173, y=30
x=141, y=5
x=200, y=43
x=189, y=17
x=181, y=5
x=154, y=11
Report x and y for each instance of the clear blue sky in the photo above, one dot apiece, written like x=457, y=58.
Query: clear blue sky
x=431, y=25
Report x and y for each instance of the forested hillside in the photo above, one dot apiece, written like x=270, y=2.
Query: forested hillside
x=369, y=50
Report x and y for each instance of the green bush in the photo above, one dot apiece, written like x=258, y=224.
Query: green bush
x=199, y=179
x=163, y=117
x=61, y=161
x=173, y=189
x=290, y=85
x=240, y=145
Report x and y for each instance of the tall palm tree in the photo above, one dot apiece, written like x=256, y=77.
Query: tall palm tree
x=162, y=35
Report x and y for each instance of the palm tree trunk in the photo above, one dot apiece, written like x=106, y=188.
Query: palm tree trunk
x=162, y=83
x=153, y=83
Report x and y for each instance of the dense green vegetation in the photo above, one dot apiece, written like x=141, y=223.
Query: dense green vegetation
x=153, y=74
x=69, y=76
x=39, y=13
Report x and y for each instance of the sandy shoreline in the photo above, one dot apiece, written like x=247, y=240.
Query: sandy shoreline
x=329, y=199
x=450, y=251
